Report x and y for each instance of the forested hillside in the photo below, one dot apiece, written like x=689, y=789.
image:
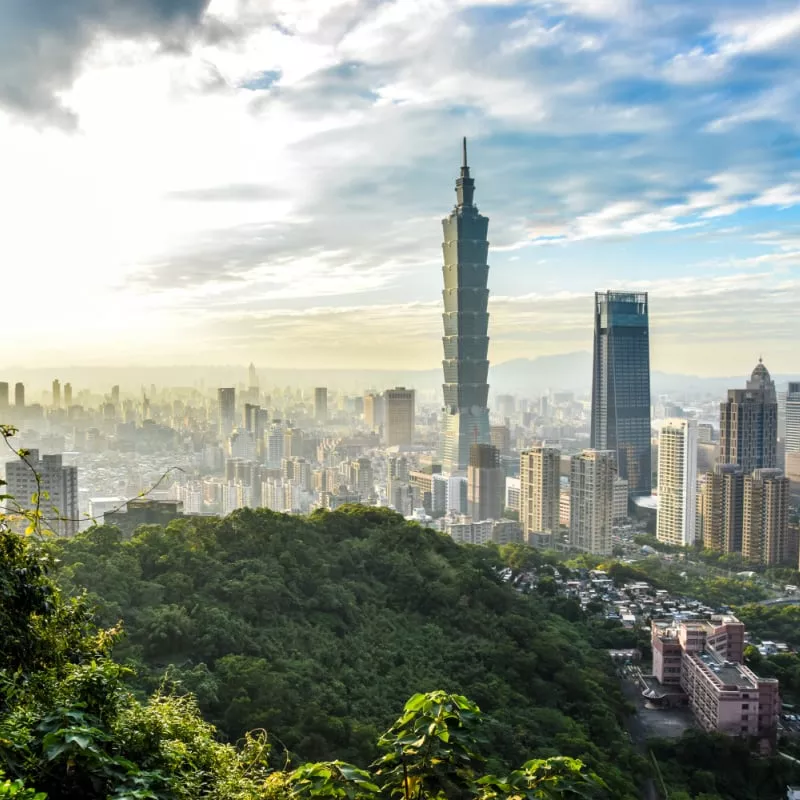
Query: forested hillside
x=318, y=629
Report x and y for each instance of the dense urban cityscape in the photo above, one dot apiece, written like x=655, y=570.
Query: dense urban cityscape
x=258, y=501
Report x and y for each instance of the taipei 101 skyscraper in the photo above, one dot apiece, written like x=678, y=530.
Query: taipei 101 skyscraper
x=465, y=416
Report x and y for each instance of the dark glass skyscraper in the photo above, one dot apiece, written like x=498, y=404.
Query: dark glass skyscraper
x=466, y=320
x=621, y=385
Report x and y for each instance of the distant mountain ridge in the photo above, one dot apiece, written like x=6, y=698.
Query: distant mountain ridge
x=521, y=376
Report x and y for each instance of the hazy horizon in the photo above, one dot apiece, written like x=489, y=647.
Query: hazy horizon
x=264, y=182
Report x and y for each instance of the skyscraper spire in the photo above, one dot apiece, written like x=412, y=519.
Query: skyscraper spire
x=465, y=186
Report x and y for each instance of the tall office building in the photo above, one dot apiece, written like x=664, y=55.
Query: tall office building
x=621, y=385
x=373, y=410
x=67, y=395
x=719, y=509
x=465, y=416
x=115, y=395
x=56, y=393
x=765, y=518
x=539, y=490
x=792, y=406
x=399, y=414
x=252, y=377
x=321, y=404
x=591, y=506
x=486, y=483
x=19, y=395
x=677, y=482
x=226, y=399
x=748, y=424
x=276, y=440
x=57, y=489
x=3, y=396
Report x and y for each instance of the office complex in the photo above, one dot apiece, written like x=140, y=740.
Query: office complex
x=700, y=662
x=539, y=490
x=792, y=407
x=677, y=482
x=226, y=399
x=765, y=517
x=465, y=416
x=57, y=488
x=621, y=385
x=399, y=411
x=486, y=483
x=748, y=424
x=321, y=404
x=591, y=506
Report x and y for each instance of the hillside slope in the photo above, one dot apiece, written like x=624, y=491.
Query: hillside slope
x=319, y=628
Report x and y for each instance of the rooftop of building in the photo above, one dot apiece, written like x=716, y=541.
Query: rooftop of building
x=729, y=674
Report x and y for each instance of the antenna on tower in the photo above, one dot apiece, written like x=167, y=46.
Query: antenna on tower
x=464, y=152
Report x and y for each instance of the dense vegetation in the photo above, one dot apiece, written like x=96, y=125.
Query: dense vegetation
x=712, y=766
x=317, y=629
x=779, y=623
x=70, y=728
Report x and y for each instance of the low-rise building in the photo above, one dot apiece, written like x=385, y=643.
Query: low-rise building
x=703, y=659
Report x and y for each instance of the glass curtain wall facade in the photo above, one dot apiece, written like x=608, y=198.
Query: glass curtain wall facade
x=621, y=385
x=465, y=416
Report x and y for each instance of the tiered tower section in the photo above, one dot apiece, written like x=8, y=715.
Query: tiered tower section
x=466, y=321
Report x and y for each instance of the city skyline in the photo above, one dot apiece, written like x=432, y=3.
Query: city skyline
x=266, y=183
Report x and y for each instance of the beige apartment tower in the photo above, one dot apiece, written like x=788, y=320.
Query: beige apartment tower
x=719, y=509
x=399, y=411
x=592, y=475
x=765, y=517
x=540, y=490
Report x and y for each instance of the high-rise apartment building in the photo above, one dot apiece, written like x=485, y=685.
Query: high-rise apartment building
x=226, y=399
x=486, y=483
x=399, y=410
x=465, y=416
x=539, y=490
x=748, y=424
x=321, y=404
x=67, y=395
x=3, y=396
x=621, y=385
x=677, y=482
x=276, y=440
x=591, y=504
x=56, y=393
x=57, y=488
x=765, y=517
x=792, y=406
x=720, y=501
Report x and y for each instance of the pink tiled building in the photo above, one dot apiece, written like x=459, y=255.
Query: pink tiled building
x=704, y=658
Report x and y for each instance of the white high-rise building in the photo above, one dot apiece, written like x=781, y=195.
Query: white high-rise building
x=792, y=405
x=275, y=444
x=677, y=482
x=591, y=514
x=242, y=445
x=57, y=487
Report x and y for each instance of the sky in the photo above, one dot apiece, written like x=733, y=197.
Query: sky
x=194, y=182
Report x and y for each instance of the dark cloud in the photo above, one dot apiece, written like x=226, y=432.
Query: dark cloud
x=42, y=43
